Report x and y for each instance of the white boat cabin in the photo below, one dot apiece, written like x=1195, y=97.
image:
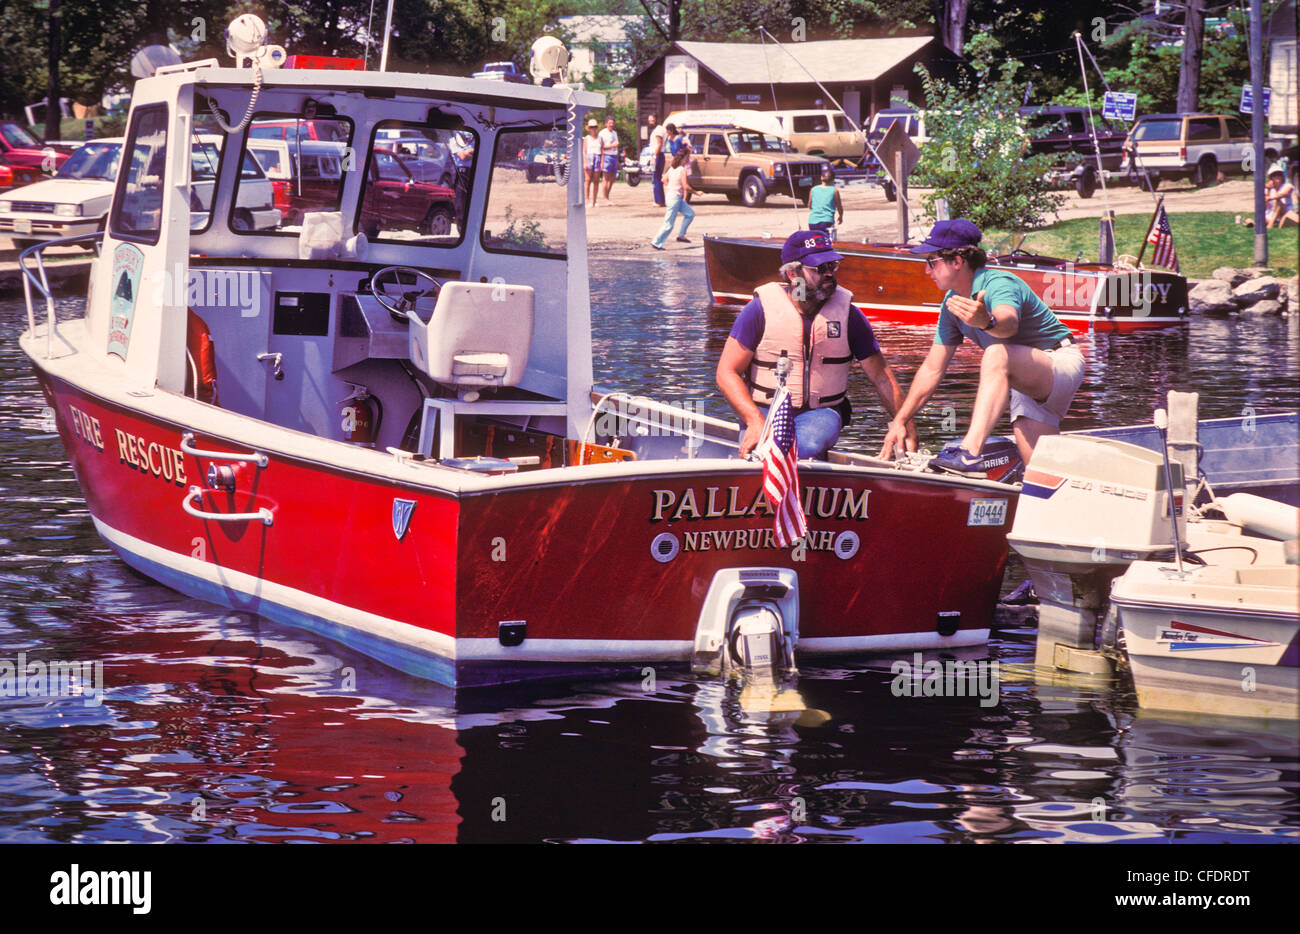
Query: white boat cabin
x=279, y=268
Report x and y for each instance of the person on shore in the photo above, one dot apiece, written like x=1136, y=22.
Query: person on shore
x=1279, y=196
x=658, y=153
x=810, y=317
x=591, y=161
x=608, y=155
x=676, y=189
x=825, y=206
x=1028, y=354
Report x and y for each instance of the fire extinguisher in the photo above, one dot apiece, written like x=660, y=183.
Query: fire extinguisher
x=359, y=416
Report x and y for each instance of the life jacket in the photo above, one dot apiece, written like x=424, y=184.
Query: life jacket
x=200, y=360
x=829, y=349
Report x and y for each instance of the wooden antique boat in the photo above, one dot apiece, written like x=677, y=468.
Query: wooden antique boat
x=385, y=429
x=890, y=284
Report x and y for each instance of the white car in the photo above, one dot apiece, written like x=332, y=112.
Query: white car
x=73, y=202
x=255, y=204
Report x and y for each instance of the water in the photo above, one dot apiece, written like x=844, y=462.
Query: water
x=227, y=728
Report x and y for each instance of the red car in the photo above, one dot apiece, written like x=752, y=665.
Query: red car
x=26, y=156
x=394, y=200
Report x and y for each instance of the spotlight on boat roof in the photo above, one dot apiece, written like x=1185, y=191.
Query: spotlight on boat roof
x=246, y=42
x=146, y=62
x=549, y=60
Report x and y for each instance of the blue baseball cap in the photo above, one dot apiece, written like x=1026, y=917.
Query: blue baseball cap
x=810, y=247
x=950, y=235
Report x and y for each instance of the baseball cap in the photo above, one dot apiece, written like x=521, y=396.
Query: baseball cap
x=810, y=247
x=950, y=235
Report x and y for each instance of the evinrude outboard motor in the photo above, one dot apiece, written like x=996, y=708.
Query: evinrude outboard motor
x=749, y=624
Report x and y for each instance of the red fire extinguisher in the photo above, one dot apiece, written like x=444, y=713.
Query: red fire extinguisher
x=359, y=416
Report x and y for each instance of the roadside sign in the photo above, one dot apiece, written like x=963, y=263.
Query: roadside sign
x=897, y=141
x=681, y=75
x=1247, y=105
x=1120, y=105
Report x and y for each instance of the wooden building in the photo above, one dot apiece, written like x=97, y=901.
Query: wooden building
x=864, y=75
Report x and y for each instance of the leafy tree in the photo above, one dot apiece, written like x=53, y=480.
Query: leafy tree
x=975, y=156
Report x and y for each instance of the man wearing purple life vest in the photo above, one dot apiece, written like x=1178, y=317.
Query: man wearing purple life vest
x=810, y=317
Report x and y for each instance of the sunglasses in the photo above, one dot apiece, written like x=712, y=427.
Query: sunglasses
x=932, y=261
x=826, y=269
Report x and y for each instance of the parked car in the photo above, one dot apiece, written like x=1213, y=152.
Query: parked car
x=394, y=200
x=328, y=129
x=306, y=176
x=255, y=199
x=1069, y=140
x=747, y=165
x=913, y=124
x=1188, y=145
x=74, y=202
x=428, y=160
x=539, y=162
x=502, y=71
x=826, y=133
x=27, y=155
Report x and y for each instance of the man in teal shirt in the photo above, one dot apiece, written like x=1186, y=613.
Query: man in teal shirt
x=824, y=203
x=1028, y=354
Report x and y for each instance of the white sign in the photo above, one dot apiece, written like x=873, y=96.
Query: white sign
x=1246, y=106
x=1119, y=105
x=987, y=512
x=681, y=75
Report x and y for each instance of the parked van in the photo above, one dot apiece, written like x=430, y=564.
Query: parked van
x=826, y=133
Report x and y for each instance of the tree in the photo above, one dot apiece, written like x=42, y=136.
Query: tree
x=975, y=156
x=1189, y=72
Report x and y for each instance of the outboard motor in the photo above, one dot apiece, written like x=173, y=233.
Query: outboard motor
x=749, y=624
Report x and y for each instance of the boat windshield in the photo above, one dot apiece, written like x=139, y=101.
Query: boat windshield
x=292, y=167
x=417, y=184
x=527, y=208
x=93, y=161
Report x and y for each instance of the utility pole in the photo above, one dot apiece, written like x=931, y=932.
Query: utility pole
x=1257, y=127
x=53, y=106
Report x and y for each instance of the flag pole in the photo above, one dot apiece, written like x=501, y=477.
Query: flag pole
x=1145, y=240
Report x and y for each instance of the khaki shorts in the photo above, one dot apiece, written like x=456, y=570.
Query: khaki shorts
x=1067, y=374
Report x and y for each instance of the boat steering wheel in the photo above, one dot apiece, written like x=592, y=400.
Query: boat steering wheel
x=407, y=295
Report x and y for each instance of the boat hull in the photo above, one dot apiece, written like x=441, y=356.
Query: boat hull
x=578, y=556
x=891, y=285
x=1222, y=641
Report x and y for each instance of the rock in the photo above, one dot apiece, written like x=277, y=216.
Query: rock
x=1213, y=296
x=1292, y=289
x=1230, y=275
x=1267, y=307
x=1254, y=272
x=1256, y=290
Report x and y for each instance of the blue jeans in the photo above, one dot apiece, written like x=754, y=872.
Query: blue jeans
x=815, y=431
x=676, y=205
x=658, y=179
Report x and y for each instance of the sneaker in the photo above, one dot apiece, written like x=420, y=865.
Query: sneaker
x=959, y=460
x=1024, y=595
x=683, y=239
x=657, y=247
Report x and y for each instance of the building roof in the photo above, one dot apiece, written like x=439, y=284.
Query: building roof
x=841, y=61
x=609, y=29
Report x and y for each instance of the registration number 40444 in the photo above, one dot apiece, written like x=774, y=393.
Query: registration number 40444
x=987, y=512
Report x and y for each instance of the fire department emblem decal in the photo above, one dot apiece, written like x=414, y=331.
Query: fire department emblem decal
x=402, y=509
x=832, y=329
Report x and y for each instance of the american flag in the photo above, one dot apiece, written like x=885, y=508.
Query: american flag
x=781, y=471
x=1162, y=238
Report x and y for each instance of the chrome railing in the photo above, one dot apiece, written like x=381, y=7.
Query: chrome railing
x=37, y=277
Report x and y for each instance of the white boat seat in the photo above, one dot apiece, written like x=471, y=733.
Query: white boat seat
x=478, y=335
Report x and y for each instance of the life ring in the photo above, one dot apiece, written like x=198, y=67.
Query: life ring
x=200, y=360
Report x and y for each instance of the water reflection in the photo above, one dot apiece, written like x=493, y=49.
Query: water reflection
x=220, y=727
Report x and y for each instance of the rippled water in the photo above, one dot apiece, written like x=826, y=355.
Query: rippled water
x=225, y=727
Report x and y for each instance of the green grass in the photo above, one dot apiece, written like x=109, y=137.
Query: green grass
x=73, y=129
x=1205, y=241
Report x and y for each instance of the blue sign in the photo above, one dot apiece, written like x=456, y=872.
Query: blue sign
x=1120, y=105
x=1247, y=99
